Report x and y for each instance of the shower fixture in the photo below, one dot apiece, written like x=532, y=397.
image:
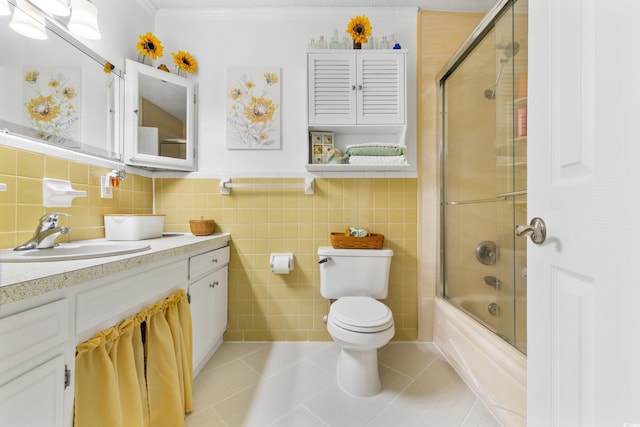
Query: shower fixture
x=509, y=51
x=492, y=281
x=487, y=252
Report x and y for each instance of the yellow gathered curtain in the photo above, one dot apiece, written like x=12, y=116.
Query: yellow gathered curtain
x=114, y=387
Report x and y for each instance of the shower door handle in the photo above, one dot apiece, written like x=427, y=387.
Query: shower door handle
x=536, y=229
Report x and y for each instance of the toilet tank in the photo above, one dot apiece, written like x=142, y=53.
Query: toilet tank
x=354, y=272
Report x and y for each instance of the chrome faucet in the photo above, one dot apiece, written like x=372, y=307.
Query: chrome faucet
x=46, y=233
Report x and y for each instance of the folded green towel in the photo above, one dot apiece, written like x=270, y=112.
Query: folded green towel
x=375, y=151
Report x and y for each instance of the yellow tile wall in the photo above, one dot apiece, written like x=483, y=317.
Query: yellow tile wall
x=270, y=307
x=21, y=205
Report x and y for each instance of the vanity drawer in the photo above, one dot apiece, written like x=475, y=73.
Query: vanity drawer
x=208, y=261
x=31, y=332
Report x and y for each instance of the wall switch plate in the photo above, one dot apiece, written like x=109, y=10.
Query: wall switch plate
x=106, y=190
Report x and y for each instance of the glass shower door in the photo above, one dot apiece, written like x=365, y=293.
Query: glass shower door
x=484, y=177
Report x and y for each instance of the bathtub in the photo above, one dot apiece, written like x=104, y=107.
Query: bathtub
x=494, y=369
x=477, y=306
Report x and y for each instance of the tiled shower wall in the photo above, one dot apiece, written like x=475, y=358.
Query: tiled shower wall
x=21, y=205
x=270, y=307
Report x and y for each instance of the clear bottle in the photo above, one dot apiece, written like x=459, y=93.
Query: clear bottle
x=373, y=43
x=392, y=41
x=384, y=44
x=312, y=44
x=345, y=43
x=335, y=44
x=321, y=44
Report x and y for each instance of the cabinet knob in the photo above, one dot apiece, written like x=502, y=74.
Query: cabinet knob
x=214, y=260
x=214, y=284
x=135, y=111
x=353, y=87
x=359, y=87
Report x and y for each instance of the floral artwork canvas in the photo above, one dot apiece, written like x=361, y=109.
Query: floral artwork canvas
x=52, y=102
x=253, y=108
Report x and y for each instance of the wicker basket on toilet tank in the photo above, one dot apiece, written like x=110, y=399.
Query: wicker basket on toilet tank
x=346, y=241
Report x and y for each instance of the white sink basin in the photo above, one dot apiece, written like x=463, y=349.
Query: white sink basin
x=75, y=250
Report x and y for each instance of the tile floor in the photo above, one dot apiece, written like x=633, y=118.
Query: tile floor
x=294, y=384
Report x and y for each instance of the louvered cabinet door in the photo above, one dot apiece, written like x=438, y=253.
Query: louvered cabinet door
x=332, y=89
x=380, y=89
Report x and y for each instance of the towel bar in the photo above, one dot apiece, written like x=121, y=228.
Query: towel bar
x=226, y=185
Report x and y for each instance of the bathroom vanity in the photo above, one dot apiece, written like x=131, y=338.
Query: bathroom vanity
x=48, y=308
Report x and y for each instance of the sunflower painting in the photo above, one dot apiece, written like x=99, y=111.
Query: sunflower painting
x=253, y=109
x=52, y=102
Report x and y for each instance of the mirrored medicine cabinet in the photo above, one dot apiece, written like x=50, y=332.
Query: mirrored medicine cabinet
x=159, y=119
x=56, y=91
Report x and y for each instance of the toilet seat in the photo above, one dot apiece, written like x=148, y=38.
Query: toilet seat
x=360, y=314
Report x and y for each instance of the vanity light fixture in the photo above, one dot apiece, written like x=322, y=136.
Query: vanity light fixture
x=4, y=8
x=84, y=19
x=55, y=7
x=29, y=17
x=28, y=21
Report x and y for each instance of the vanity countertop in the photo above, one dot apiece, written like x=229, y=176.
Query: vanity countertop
x=19, y=281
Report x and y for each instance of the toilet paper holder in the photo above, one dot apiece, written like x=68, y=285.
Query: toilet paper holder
x=275, y=261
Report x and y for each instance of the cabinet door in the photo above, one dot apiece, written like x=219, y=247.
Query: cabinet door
x=35, y=398
x=219, y=302
x=200, y=318
x=381, y=88
x=332, y=88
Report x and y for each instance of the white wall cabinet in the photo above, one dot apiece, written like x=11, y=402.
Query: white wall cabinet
x=357, y=88
x=358, y=96
x=160, y=119
x=207, y=291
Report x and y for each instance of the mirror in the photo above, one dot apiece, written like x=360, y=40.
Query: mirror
x=56, y=91
x=159, y=119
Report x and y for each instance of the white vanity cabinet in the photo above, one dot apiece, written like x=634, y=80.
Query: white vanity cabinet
x=33, y=366
x=207, y=290
x=39, y=333
x=357, y=87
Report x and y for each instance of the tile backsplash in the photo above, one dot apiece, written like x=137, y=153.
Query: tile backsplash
x=21, y=205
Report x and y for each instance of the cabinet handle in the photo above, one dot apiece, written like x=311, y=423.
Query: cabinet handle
x=214, y=260
x=135, y=111
x=353, y=87
x=213, y=284
x=359, y=87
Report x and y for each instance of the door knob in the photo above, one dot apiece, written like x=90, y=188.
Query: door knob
x=536, y=229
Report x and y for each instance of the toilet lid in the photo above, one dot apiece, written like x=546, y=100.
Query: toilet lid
x=361, y=314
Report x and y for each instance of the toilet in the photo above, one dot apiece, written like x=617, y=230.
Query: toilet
x=357, y=322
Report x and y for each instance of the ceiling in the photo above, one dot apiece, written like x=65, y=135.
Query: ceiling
x=453, y=5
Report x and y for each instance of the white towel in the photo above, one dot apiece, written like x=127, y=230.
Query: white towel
x=377, y=160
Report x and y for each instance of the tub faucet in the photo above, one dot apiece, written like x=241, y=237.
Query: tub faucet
x=46, y=233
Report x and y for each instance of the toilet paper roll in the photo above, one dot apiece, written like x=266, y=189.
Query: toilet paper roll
x=280, y=264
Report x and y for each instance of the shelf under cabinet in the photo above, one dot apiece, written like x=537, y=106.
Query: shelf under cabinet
x=355, y=168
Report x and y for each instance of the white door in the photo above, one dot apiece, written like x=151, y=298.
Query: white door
x=584, y=181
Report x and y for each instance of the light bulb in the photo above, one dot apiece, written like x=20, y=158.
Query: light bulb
x=84, y=20
x=28, y=21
